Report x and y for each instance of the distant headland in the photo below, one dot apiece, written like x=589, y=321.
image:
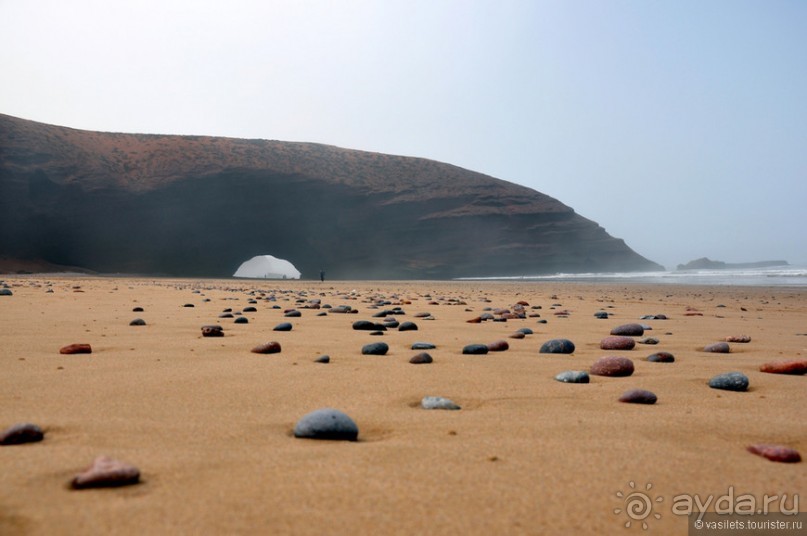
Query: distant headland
x=704, y=263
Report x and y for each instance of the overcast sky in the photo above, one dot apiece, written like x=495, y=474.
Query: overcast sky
x=679, y=126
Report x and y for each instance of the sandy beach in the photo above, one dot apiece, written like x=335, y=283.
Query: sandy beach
x=209, y=423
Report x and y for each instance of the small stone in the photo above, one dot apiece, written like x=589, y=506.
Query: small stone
x=601, y=315
x=557, y=346
x=638, y=396
x=738, y=338
x=293, y=314
x=475, y=349
x=283, y=326
x=250, y=309
x=375, y=348
x=573, y=376
x=242, y=320
x=6, y=292
x=437, y=402
x=326, y=423
x=226, y=315
x=718, y=348
x=649, y=340
x=661, y=357
x=517, y=335
x=730, y=381
x=630, y=330
x=525, y=331
x=775, y=453
x=498, y=346
x=137, y=310
x=408, y=326
x=366, y=325
x=423, y=346
x=323, y=359
x=612, y=366
x=189, y=305
x=77, y=348
x=212, y=331
x=137, y=322
x=18, y=434
x=421, y=359
x=795, y=367
x=106, y=472
x=617, y=342
x=272, y=347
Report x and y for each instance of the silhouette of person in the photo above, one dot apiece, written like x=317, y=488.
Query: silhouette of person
x=322, y=275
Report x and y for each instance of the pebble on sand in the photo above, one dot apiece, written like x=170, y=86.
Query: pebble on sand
x=242, y=320
x=423, y=346
x=76, y=348
x=573, y=376
x=795, y=367
x=272, y=347
x=408, y=326
x=775, y=453
x=137, y=322
x=212, y=331
x=738, y=338
x=106, y=472
x=475, y=349
x=661, y=357
x=629, y=330
x=612, y=366
x=557, y=346
x=6, y=292
x=438, y=402
x=718, y=348
x=375, y=348
x=638, y=396
x=326, y=423
x=617, y=342
x=18, y=434
x=323, y=359
x=422, y=358
x=283, y=326
x=730, y=381
x=498, y=346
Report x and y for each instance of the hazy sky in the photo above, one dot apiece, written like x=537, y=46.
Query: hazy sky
x=679, y=126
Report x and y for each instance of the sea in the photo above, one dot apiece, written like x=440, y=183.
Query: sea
x=779, y=276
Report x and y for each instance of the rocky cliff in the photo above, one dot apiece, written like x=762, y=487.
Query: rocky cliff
x=199, y=206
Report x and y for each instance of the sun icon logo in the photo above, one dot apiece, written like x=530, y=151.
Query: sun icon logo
x=638, y=505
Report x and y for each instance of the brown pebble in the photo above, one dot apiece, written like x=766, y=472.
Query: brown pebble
x=106, y=472
x=76, y=348
x=212, y=331
x=638, y=396
x=775, y=453
x=718, y=348
x=795, y=367
x=738, y=338
x=517, y=335
x=18, y=434
x=617, y=342
x=498, y=346
x=272, y=347
x=612, y=366
x=477, y=320
x=422, y=358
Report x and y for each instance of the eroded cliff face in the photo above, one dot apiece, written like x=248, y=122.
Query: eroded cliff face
x=199, y=206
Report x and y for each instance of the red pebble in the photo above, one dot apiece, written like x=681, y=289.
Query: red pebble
x=272, y=347
x=77, y=348
x=617, y=342
x=775, y=453
x=785, y=367
x=638, y=396
x=612, y=366
x=477, y=320
x=498, y=346
x=738, y=338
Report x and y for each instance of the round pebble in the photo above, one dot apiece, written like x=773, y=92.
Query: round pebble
x=212, y=331
x=498, y=346
x=76, y=348
x=730, y=381
x=423, y=346
x=242, y=320
x=326, y=423
x=18, y=434
x=617, y=342
x=422, y=358
x=475, y=349
x=796, y=367
x=649, y=340
x=272, y=347
x=283, y=326
x=375, y=348
x=738, y=338
x=614, y=366
x=718, y=348
x=661, y=357
x=775, y=453
x=6, y=292
x=638, y=396
x=137, y=322
x=323, y=359
x=438, y=402
x=557, y=346
x=629, y=330
x=366, y=325
x=408, y=326
x=573, y=376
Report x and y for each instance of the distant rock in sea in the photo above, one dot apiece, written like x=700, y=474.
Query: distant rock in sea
x=704, y=263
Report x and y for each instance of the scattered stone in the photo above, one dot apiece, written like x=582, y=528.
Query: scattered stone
x=423, y=346
x=617, y=342
x=323, y=359
x=795, y=367
x=638, y=396
x=557, y=346
x=437, y=402
x=137, y=322
x=475, y=349
x=601, y=315
x=283, y=326
x=137, y=310
x=250, y=309
x=212, y=331
x=738, y=338
x=76, y=348
x=661, y=357
x=375, y=348
x=649, y=340
x=272, y=347
x=573, y=376
x=525, y=331
x=730, y=381
x=517, y=335
x=629, y=330
x=775, y=453
x=498, y=346
x=106, y=472
x=226, y=315
x=408, y=326
x=326, y=423
x=189, y=305
x=18, y=434
x=366, y=325
x=293, y=314
x=612, y=366
x=6, y=292
x=718, y=348
x=421, y=359
x=242, y=320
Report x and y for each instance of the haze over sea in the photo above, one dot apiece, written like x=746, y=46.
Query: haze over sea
x=778, y=276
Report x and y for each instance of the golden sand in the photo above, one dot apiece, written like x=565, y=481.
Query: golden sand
x=209, y=423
